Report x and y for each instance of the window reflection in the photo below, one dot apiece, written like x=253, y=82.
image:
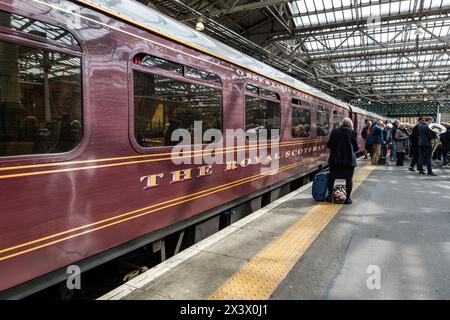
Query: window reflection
x=162, y=105
x=202, y=75
x=301, y=123
x=323, y=120
x=40, y=101
x=26, y=25
x=261, y=115
x=337, y=119
x=151, y=61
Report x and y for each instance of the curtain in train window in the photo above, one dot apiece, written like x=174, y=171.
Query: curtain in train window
x=301, y=123
x=40, y=101
x=162, y=105
x=323, y=121
x=262, y=114
x=337, y=119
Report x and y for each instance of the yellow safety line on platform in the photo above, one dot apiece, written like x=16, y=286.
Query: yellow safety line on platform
x=261, y=276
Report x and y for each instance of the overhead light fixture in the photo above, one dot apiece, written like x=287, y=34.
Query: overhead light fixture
x=425, y=90
x=370, y=102
x=425, y=99
x=200, y=26
x=416, y=73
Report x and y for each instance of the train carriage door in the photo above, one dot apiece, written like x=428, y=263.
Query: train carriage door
x=354, y=117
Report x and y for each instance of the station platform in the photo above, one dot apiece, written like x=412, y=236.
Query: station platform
x=393, y=242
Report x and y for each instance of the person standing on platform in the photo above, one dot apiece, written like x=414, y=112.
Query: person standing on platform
x=426, y=135
x=365, y=133
x=445, y=140
x=394, y=144
x=343, y=147
x=375, y=140
x=400, y=138
x=387, y=140
x=414, y=139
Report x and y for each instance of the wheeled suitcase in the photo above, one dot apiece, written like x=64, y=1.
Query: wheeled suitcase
x=320, y=186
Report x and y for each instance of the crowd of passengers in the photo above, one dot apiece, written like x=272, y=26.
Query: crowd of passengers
x=402, y=141
x=395, y=140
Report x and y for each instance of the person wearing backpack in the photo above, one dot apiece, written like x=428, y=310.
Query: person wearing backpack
x=343, y=146
x=374, y=141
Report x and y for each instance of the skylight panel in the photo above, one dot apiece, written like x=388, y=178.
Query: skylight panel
x=347, y=14
x=319, y=5
x=395, y=7
x=293, y=7
x=385, y=9
x=384, y=37
x=344, y=2
x=309, y=5
x=322, y=18
x=302, y=6
x=365, y=12
x=340, y=15
x=314, y=20
x=330, y=17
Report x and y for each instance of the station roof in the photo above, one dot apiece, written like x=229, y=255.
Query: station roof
x=365, y=52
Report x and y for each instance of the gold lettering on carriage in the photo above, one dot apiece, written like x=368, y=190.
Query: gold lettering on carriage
x=153, y=181
x=271, y=83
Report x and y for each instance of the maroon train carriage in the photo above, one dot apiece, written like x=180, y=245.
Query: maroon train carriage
x=86, y=113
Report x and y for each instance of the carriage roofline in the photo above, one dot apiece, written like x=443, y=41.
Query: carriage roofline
x=145, y=17
x=366, y=113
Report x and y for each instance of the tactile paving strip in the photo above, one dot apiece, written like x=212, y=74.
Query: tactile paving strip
x=262, y=275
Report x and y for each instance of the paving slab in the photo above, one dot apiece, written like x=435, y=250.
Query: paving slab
x=398, y=225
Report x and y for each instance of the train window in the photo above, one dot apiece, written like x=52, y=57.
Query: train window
x=37, y=28
x=151, y=61
x=301, y=123
x=337, y=119
x=40, y=101
x=323, y=120
x=252, y=89
x=203, y=75
x=269, y=94
x=162, y=105
x=262, y=114
x=297, y=102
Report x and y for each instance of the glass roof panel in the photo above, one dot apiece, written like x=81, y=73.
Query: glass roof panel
x=384, y=43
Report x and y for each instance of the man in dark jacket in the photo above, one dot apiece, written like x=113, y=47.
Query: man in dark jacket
x=445, y=139
x=415, y=144
x=393, y=142
x=375, y=140
x=426, y=135
x=343, y=145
